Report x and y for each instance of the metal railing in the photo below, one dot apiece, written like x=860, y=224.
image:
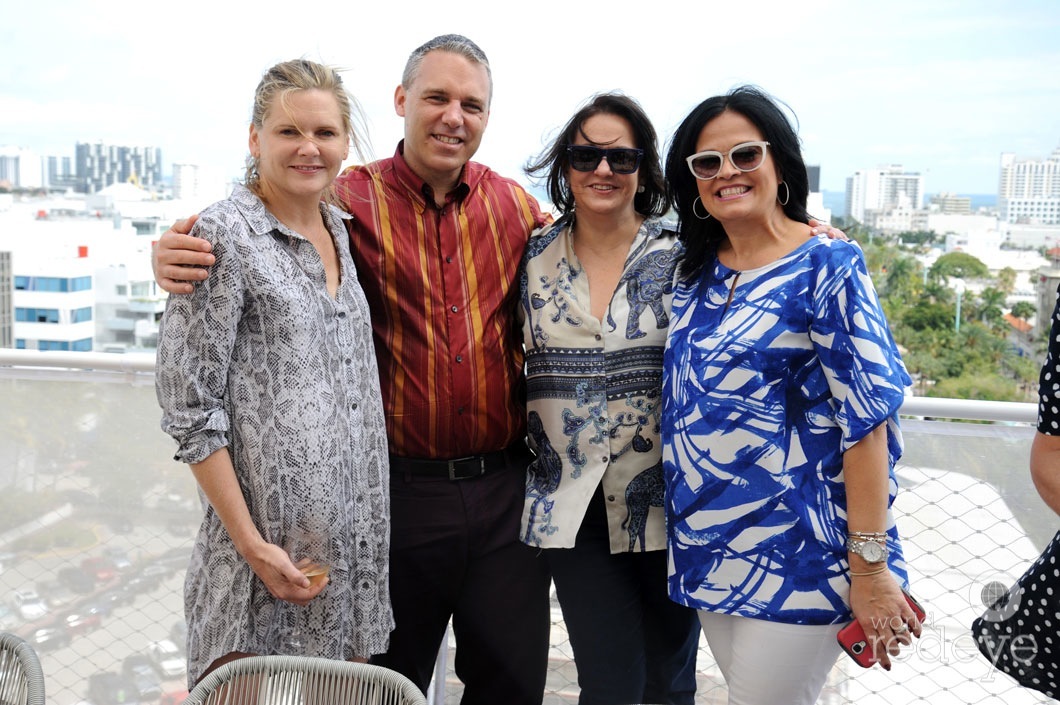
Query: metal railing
x=98, y=521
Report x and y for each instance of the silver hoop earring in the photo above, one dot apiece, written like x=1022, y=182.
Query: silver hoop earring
x=701, y=217
x=640, y=189
x=787, y=193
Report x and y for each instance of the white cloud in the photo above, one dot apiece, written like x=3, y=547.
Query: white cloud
x=942, y=87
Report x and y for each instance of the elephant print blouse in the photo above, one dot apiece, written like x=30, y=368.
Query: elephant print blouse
x=770, y=375
x=593, y=389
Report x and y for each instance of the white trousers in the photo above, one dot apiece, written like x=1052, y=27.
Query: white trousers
x=767, y=663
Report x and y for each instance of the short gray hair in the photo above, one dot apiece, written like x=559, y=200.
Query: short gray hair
x=454, y=44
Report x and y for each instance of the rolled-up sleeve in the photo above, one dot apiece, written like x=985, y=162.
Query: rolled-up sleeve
x=195, y=344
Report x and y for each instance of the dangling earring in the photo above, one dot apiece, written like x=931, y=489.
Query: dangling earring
x=787, y=194
x=701, y=217
x=252, y=174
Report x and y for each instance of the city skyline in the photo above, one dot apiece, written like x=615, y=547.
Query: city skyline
x=941, y=89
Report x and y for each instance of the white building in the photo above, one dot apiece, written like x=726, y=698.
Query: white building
x=198, y=185
x=872, y=191
x=1030, y=235
x=1029, y=189
x=62, y=245
x=54, y=303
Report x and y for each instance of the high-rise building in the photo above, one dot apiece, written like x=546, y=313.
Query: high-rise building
x=871, y=192
x=813, y=175
x=1029, y=190
x=20, y=168
x=60, y=173
x=99, y=165
x=185, y=180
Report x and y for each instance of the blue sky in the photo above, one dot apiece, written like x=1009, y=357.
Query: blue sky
x=942, y=87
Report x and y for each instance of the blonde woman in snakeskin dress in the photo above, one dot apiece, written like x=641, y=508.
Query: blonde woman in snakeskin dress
x=268, y=381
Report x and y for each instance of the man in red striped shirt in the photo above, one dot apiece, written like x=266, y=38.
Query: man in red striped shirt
x=437, y=240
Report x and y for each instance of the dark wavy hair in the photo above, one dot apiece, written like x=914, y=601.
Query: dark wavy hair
x=701, y=237
x=552, y=165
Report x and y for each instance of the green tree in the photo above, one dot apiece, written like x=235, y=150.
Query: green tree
x=1024, y=310
x=990, y=302
x=1006, y=280
x=902, y=279
x=976, y=385
x=929, y=315
x=958, y=264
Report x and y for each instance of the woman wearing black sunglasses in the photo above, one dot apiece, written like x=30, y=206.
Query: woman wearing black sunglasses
x=781, y=389
x=594, y=303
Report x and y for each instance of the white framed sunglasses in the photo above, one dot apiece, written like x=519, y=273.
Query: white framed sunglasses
x=746, y=156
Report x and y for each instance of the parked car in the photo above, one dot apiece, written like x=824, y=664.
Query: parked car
x=29, y=605
x=114, y=597
x=101, y=569
x=175, y=559
x=76, y=580
x=175, y=697
x=120, y=523
x=118, y=557
x=97, y=605
x=81, y=622
x=136, y=584
x=155, y=571
x=167, y=658
x=47, y=638
x=140, y=671
x=110, y=688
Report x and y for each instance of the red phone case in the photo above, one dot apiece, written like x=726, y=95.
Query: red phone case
x=853, y=640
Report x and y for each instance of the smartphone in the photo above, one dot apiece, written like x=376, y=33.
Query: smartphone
x=853, y=640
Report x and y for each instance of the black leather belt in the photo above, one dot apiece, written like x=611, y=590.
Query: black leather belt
x=459, y=468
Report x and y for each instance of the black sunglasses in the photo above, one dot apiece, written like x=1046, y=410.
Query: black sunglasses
x=622, y=160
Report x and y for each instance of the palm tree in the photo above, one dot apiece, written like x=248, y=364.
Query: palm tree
x=1024, y=310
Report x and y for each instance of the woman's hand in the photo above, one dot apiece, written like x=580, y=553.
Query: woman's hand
x=820, y=228
x=281, y=576
x=880, y=607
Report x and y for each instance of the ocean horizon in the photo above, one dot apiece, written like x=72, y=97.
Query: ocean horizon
x=836, y=201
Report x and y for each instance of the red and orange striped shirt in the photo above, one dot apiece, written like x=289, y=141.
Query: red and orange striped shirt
x=441, y=288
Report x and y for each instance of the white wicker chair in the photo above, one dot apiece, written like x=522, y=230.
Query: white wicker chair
x=302, y=680
x=21, y=677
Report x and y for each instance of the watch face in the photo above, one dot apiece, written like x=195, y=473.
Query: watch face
x=872, y=552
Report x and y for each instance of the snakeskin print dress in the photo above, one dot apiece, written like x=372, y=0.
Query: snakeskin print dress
x=261, y=359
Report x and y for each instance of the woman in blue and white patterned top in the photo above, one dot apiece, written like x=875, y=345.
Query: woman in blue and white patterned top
x=781, y=387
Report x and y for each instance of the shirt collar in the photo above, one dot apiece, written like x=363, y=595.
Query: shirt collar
x=469, y=177
x=262, y=222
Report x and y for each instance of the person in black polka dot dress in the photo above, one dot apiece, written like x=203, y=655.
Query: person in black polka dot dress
x=1020, y=632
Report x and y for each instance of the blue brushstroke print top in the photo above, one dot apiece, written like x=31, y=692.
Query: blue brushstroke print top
x=769, y=376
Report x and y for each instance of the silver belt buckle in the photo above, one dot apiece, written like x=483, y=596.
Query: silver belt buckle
x=452, y=467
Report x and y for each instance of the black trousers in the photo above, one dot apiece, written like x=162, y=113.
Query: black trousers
x=631, y=643
x=455, y=552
